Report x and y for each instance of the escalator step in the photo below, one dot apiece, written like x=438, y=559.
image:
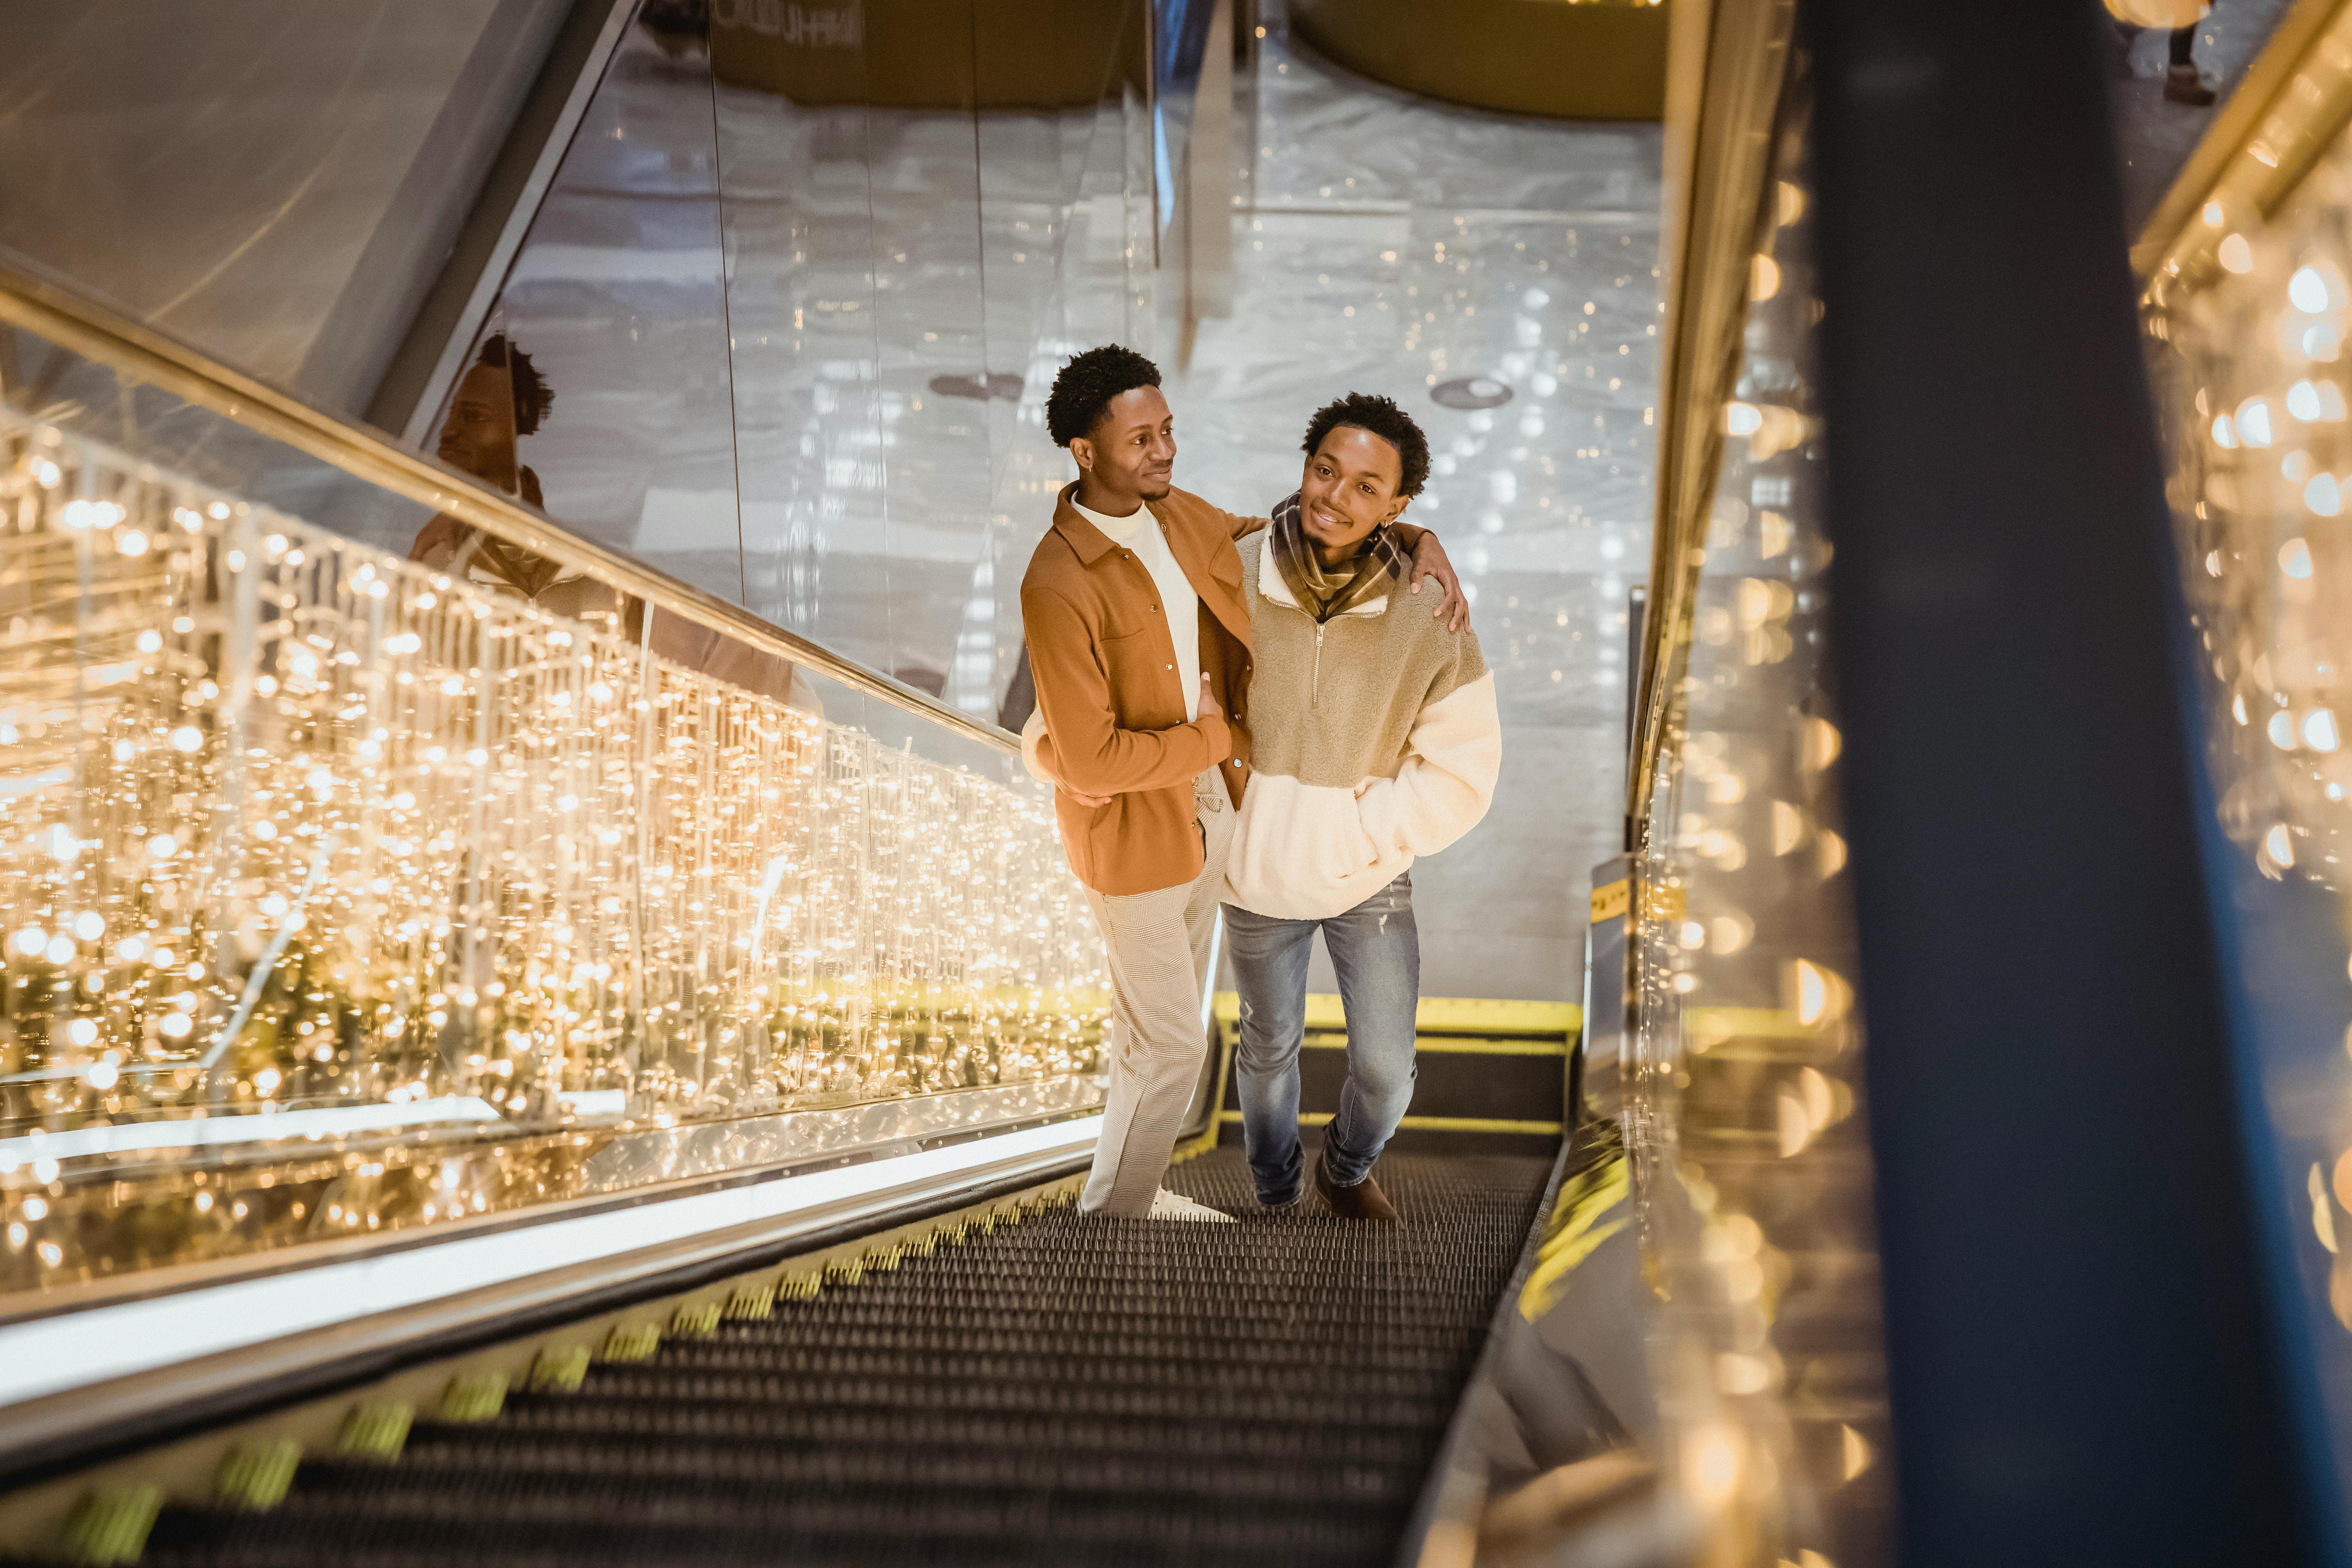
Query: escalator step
x=1065, y=1390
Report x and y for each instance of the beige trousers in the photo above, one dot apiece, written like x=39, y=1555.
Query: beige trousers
x=1158, y=944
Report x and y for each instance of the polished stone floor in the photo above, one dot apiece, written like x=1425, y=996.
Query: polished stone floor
x=2154, y=136
x=1394, y=244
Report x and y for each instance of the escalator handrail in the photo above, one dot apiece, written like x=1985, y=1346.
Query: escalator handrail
x=1726, y=61
x=146, y=355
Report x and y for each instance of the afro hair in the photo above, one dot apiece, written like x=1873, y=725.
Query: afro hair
x=1083, y=391
x=1383, y=418
x=532, y=396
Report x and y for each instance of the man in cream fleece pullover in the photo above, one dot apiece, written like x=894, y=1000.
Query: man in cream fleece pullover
x=1377, y=741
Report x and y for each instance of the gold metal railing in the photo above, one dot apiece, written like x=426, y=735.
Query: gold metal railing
x=1726, y=61
x=141, y=354
x=1746, y=1174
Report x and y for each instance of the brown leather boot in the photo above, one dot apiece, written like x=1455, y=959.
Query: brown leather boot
x=1363, y=1201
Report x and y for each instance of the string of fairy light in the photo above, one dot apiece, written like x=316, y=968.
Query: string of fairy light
x=288, y=821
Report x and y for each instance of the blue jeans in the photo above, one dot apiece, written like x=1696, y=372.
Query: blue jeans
x=1376, y=952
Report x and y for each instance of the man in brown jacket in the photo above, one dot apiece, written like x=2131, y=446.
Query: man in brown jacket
x=1140, y=642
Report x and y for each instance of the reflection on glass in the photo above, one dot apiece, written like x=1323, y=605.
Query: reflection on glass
x=501, y=398
x=1744, y=1120
x=801, y=245
x=618, y=300
x=800, y=284
x=2246, y=314
x=307, y=831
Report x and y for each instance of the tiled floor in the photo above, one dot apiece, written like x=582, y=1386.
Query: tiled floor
x=2155, y=136
x=1396, y=244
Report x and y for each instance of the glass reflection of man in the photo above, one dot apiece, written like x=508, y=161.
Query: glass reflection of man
x=501, y=398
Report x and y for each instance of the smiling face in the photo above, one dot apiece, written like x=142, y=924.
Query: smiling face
x=1349, y=488
x=479, y=437
x=1129, y=456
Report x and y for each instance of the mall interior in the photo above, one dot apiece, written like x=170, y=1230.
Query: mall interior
x=545, y=1021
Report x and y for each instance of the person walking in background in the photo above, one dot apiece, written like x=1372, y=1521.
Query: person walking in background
x=2182, y=81
x=1140, y=642
x=1377, y=740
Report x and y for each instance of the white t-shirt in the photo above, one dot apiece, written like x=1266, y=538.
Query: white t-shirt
x=1140, y=532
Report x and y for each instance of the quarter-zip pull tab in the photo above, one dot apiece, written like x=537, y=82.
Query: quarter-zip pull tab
x=1315, y=683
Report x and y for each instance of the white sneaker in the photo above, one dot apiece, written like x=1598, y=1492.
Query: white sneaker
x=1166, y=1204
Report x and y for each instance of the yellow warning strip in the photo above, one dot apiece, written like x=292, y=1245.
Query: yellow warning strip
x=1455, y=1044
x=1575, y=1232
x=1442, y=1015
x=1425, y=1123
x=1705, y=1026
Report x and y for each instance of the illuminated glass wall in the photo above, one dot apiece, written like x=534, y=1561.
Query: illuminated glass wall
x=342, y=894
x=1744, y=1113
x=2247, y=314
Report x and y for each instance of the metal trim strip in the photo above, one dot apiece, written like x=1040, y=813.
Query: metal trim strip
x=1424, y=1124
x=59, y=1432
x=121, y=1290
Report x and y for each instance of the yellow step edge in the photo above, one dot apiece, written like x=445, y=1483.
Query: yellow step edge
x=1424, y=1124
x=185, y=1472
x=1441, y=1045
x=1443, y=1014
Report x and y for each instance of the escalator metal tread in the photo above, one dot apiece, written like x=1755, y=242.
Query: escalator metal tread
x=1066, y=1390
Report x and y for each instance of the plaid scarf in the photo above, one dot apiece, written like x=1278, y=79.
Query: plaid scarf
x=1323, y=591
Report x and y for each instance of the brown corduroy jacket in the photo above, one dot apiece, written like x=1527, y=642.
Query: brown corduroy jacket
x=1107, y=689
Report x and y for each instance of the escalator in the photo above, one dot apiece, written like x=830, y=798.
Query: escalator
x=1054, y=1389
x=589, y=1032
x=590, y=1058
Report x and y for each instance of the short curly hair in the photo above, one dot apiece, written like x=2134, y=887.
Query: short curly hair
x=1083, y=391
x=1383, y=417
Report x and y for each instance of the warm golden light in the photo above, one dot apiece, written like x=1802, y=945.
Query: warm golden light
x=1712, y=1456
x=291, y=823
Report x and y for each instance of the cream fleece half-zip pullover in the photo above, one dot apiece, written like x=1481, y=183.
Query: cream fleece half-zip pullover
x=1377, y=741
